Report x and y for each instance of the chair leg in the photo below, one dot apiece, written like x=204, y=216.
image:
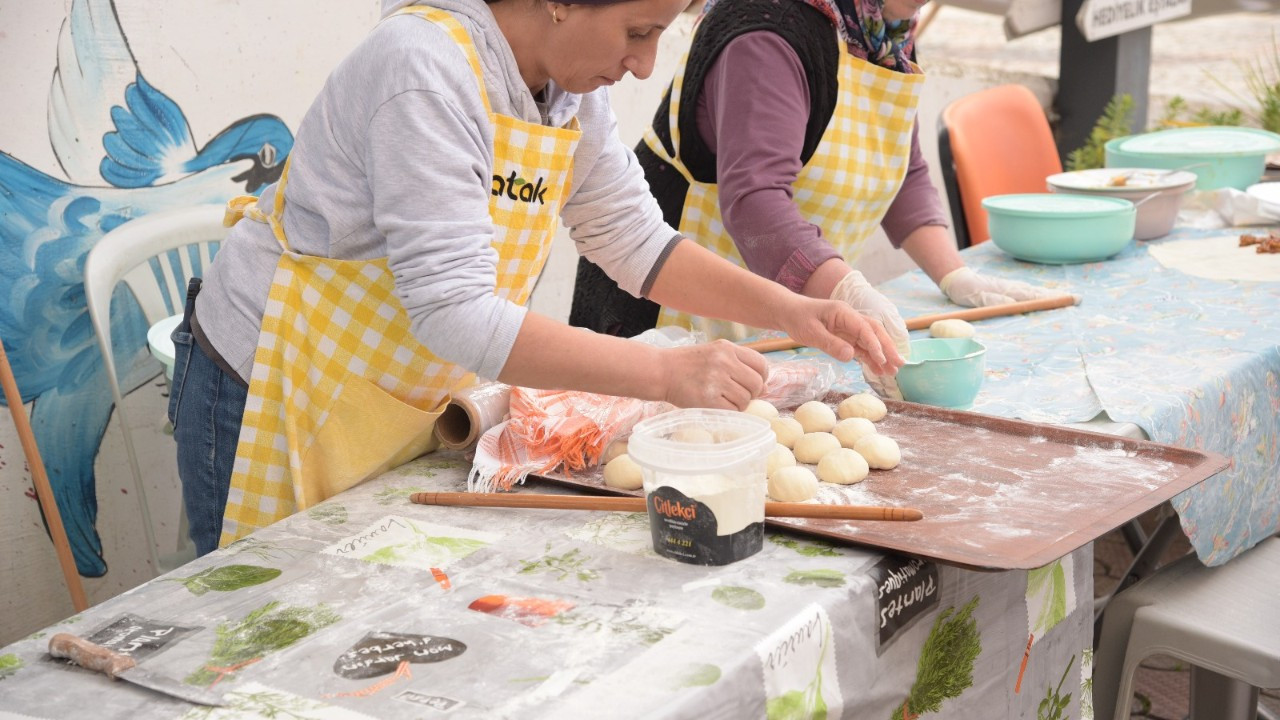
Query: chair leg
x=1217, y=697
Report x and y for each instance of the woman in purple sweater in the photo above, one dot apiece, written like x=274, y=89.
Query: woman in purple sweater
x=788, y=135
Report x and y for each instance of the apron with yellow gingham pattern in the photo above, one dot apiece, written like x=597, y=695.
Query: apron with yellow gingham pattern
x=340, y=388
x=845, y=188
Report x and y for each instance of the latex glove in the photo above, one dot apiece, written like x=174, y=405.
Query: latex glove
x=854, y=291
x=839, y=331
x=712, y=375
x=966, y=287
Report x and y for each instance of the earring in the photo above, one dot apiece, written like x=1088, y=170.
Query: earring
x=554, y=17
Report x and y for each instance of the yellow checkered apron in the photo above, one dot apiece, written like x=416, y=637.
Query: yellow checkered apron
x=845, y=188
x=340, y=389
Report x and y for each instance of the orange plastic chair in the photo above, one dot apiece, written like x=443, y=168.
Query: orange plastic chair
x=999, y=142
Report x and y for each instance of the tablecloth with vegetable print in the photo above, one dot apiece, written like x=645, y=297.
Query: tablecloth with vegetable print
x=368, y=606
x=1193, y=362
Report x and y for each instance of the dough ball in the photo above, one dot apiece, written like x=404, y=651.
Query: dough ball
x=881, y=452
x=850, y=430
x=863, y=405
x=842, y=467
x=762, y=408
x=816, y=416
x=616, y=448
x=623, y=473
x=693, y=434
x=952, y=328
x=786, y=430
x=812, y=446
x=780, y=457
x=793, y=484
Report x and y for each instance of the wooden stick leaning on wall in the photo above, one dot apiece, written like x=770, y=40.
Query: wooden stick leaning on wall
x=924, y=321
x=637, y=504
x=44, y=491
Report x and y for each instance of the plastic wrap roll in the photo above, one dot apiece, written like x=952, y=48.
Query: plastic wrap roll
x=471, y=413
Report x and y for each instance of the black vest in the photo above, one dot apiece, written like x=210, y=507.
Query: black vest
x=598, y=303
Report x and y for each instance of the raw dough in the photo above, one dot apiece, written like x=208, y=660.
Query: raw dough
x=780, y=457
x=850, y=430
x=793, y=484
x=863, y=405
x=623, y=473
x=786, y=430
x=815, y=416
x=762, y=408
x=693, y=435
x=616, y=448
x=842, y=467
x=881, y=452
x=812, y=446
x=953, y=328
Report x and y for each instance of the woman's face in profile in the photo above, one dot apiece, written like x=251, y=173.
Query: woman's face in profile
x=597, y=45
x=902, y=9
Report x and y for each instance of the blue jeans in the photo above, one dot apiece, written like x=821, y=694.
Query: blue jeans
x=205, y=407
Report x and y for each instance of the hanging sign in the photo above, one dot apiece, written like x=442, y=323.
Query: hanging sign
x=1100, y=19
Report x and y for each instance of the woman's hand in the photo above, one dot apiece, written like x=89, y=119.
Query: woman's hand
x=841, y=332
x=965, y=287
x=713, y=375
x=854, y=291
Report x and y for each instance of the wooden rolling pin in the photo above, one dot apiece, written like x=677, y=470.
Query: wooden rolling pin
x=636, y=504
x=924, y=321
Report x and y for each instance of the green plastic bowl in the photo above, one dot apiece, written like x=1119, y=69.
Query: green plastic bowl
x=946, y=372
x=1059, y=228
x=1220, y=157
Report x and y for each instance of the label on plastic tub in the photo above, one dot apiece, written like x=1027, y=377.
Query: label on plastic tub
x=687, y=530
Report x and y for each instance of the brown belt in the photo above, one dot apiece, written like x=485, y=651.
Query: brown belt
x=207, y=347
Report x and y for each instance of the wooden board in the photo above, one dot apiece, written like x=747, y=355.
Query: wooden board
x=996, y=493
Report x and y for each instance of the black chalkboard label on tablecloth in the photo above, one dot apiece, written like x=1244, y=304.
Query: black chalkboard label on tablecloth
x=138, y=637
x=906, y=588
x=379, y=653
x=435, y=702
x=685, y=530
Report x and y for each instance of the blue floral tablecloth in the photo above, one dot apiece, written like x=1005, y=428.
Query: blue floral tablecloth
x=1193, y=362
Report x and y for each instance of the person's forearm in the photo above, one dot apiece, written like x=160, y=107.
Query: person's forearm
x=824, y=280
x=697, y=281
x=551, y=355
x=932, y=248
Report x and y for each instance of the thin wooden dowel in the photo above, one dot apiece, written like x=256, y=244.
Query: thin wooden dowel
x=44, y=491
x=924, y=321
x=635, y=504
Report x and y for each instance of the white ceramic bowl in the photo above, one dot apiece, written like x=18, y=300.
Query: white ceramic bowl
x=1156, y=215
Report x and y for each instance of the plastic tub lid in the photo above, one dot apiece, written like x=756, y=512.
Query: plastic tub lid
x=1135, y=179
x=650, y=446
x=1217, y=141
x=1057, y=205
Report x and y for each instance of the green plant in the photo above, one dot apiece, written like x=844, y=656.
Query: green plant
x=945, y=668
x=1116, y=121
x=1178, y=114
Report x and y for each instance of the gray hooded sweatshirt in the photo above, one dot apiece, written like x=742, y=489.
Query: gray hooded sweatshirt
x=394, y=159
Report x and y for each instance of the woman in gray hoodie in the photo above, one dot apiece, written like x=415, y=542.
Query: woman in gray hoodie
x=390, y=265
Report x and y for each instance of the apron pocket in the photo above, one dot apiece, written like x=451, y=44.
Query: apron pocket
x=368, y=431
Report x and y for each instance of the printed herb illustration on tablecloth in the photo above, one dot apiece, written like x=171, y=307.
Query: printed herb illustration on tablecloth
x=633, y=620
x=227, y=578
x=267, y=629
x=397, y=495
x=395, y=540
x=1086, y=685
x=1054, y=705
x=799, y=665
x=738, y=597
x=329, y=513
x=808, y=548
x=9, y=664
x=254, y=700
x=817, y=578
x=264, y=550
x=945, y=668
x=626, y=532
x=560, y=567
x=1050, y=596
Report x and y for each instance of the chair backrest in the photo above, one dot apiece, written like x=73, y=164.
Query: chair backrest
x=154, y=256
x=1000, y=143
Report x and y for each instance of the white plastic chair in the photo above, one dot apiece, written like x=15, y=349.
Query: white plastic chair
x=154, y=256
x=1224, y=621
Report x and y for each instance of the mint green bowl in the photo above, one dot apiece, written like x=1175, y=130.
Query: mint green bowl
x=946, y=372
x=1220, y=156
x=1060, y=229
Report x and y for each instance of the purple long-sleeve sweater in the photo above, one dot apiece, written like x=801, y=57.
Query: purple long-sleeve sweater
x=752, y=113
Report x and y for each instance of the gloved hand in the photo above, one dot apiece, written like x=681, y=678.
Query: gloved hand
x=857, y=293
x=965, y=287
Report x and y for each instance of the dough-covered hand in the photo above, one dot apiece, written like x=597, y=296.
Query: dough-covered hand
x=857, y=293
x=713, y=375
x=841, y=332
x=965, y=287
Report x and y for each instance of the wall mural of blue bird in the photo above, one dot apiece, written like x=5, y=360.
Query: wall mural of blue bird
x=127, y=150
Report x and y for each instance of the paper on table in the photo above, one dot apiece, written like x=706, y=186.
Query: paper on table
x=1219, y=257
